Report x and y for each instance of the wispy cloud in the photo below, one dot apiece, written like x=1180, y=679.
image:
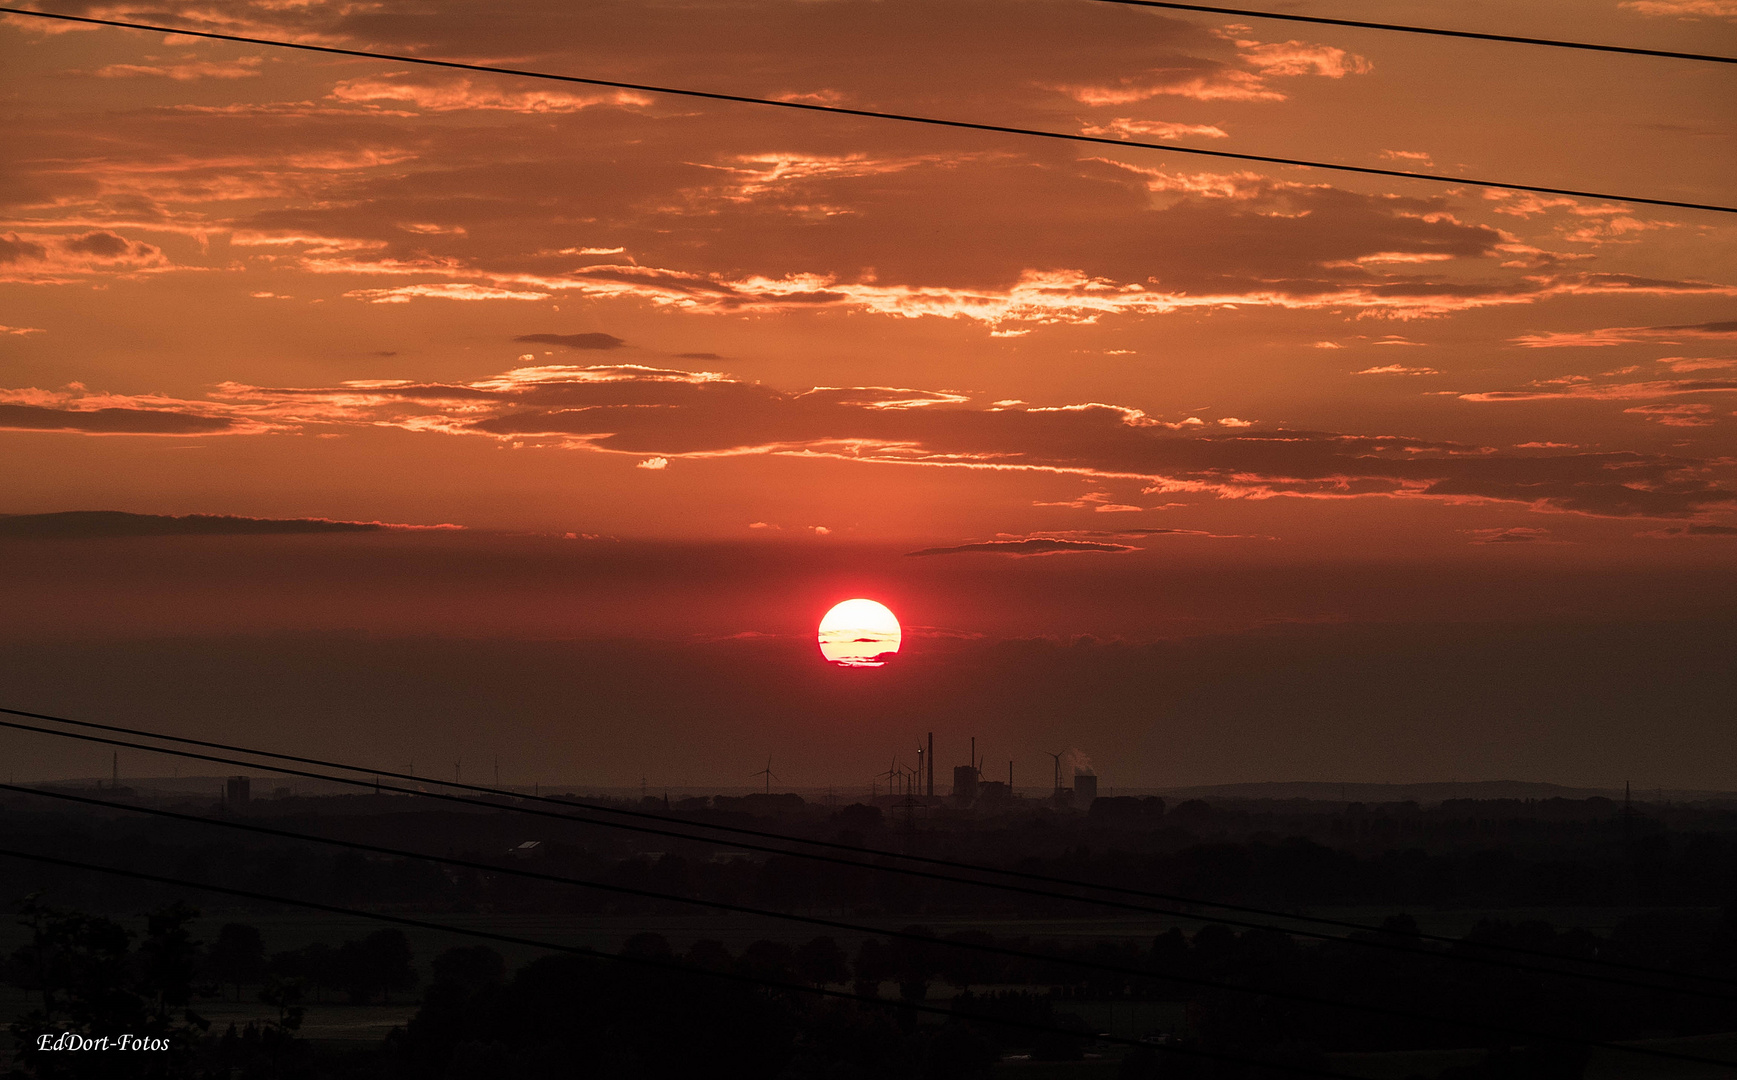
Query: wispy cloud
x=1397, y=369
x=650, y=413
x=99, y=524
x=1032, y=546
x=1510, y=535
x=186, y=70
x=1680, y=415
x=1684, y=9
x=1723, y=532
x=1125, y=128
x=1292, y=58
x=434, y=94
x=574, y=341
x=1594, y=391
x=1630, y=335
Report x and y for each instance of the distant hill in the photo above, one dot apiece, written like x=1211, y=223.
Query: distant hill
x=1422, y=793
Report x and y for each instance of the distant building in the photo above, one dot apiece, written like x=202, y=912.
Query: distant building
x=1085, y=788
x=965, y=783
x=993, y=791
x=237, y=791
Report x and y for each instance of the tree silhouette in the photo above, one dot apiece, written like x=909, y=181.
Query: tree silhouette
x=382, y=962
x=93, y=984
x=238, y=956
x=822, y=962
x=469, y=967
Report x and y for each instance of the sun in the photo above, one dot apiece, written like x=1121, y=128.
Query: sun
x=859, y=633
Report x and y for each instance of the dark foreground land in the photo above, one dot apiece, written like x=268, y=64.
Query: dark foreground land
x=1640, y=898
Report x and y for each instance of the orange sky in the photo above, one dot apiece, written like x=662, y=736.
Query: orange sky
x=792, y=349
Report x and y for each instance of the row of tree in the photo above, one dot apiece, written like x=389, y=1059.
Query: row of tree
x=664, y=1014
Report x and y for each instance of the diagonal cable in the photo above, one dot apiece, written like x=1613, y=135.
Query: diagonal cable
x=901, y=935
x=1404, y=28
x=873, y=114
x=648, y=962
x=1383, y=942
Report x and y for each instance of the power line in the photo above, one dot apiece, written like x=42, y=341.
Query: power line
x=1512, y=39
x=518, y=807
x=875, y=114
x=833, y=924
x=565, y=803
x=648, y=962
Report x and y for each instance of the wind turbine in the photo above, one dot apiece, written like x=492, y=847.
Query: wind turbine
x=767, y=773
x=892, y=774
x=1058, y=758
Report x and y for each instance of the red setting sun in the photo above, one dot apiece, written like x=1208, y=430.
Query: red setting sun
x=859, y=633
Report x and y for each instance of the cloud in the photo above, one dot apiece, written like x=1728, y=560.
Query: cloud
x=1721, y=531
x=1098, y=501
x=1034, y=546
x=93, y=524
x=245, y=67
x=1630, y=335
x=1397, y=369
x=1676, y=415
x=437, y=94
x=726, y=222
x=20, y=331
x=1290, y=58
x=110, y=421
x=1141, y=130
x=806, y=232
x=653, y=463
x=1511, y=535
x=655, y=412
x=575, y=341
x=14, y=249
x=1216, y=84
x=51, y=258
x=1684, y=9
x=1581, y=387
x=1142, y=534
x=1685, y=364
x=442, y=290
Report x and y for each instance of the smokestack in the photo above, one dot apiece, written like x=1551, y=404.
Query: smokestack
x=1085, y=788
